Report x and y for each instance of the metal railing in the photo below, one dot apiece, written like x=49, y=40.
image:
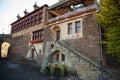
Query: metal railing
x=108, y=73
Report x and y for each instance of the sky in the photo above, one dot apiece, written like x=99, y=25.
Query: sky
x=9, y=9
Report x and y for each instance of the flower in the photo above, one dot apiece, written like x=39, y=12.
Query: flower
x=35, y=41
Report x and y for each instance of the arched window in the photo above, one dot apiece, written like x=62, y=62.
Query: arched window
x=63, y=57
x=57, y=57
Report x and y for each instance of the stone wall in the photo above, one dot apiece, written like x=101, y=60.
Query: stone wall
x=88, y=45
x=82, y=54
x=20, y=47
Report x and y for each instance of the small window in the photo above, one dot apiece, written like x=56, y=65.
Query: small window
x=58, y=35
x=70, y=28
x=32, y=53
x=40, y=52
x=78, y=26
x=63, y=57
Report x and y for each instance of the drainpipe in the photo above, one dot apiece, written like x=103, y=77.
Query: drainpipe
x=100, y=34
x=101, y=54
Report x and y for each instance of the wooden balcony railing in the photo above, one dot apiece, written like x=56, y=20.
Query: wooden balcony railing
x=76, y=12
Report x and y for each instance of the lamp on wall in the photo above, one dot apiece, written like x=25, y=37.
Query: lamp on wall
x=72, y=7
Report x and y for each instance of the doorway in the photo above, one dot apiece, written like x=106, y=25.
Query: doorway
x=5, y=49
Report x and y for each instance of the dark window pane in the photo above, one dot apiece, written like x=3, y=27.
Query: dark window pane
x=57, y=57
x=63, y=57
x=78, y=26
x=70, y=28
x=58, y=35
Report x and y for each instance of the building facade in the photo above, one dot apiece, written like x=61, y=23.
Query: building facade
x=66, y=33
x=72, y=37
x=27, y=33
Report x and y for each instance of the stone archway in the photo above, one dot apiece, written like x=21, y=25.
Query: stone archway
x=56, y=32
x=56, y=57
x=5, y=47
x=4, y=40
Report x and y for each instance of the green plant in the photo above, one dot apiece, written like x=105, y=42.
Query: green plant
x=52, y=70
x=62, y=69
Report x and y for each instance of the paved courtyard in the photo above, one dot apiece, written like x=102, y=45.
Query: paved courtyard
x=14, y=71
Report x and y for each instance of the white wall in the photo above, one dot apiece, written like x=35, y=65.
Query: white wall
x=64, y=30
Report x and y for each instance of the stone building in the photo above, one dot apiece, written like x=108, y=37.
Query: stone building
x=66, y=33
x=72, y=37
x=27, y=33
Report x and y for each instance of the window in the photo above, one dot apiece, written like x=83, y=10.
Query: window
x=63, y=57
x=78, y=26
x=28, y=22
x=37, y=34
x=57, y=57
x=32, y=53
x=58, y=35
x=70, y=28
x=40, y=52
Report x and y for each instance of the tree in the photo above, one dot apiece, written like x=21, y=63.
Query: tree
x=109, y=17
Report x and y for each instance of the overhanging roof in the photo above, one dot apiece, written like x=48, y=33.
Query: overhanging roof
x=64, y=6
x=57, y=4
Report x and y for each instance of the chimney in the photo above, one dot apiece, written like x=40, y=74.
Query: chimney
x=18, y=16
x=25, y=12
x=35, y=6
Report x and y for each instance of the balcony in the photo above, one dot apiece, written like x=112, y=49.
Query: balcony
x=74, y=13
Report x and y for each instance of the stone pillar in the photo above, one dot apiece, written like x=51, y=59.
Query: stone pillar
x=0, y=50
x=45, y=14
x=1, y=41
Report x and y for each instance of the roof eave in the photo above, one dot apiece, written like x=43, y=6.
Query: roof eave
x=57, y=4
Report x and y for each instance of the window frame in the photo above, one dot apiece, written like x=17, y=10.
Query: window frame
x=77, y=28
x=38, y=34
x=70, y=28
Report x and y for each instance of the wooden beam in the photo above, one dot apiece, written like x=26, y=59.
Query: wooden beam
x=60, y=11
x=65, y=10
x=73, y=2
x=54, y=12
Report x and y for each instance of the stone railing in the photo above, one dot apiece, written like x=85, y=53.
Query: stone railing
x=76, y=11
x=77, y=54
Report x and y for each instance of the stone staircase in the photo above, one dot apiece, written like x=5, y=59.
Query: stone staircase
x=76, y=62
x=62, y=44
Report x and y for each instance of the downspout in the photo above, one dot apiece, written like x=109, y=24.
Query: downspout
x=100, y=34
x=101, y=49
